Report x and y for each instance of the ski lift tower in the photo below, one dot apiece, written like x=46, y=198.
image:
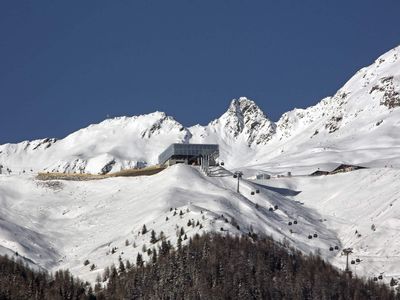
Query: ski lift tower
x=238, y=175
x=347, y=252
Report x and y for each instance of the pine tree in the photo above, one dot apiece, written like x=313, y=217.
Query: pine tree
x=98, y=278
x=121, y=267
x=113, y=271
x=97, y=289
x=165, y=247
x=179, y=243
x=144, y=229
x=153, y=238
x=128, y=265
x=106, y=274
x=154, y=256
x=139, y=260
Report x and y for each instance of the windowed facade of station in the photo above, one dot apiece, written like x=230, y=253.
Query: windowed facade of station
x=191, y=154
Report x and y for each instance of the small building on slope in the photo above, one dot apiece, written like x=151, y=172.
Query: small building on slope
x=263, y=176
x=319, y=173
x=346, y=168
x=339, y=169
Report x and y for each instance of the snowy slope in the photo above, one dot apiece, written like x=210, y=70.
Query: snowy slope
x=353, y=204
x=60, y=224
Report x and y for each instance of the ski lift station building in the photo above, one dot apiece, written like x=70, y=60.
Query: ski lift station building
x=191, y=154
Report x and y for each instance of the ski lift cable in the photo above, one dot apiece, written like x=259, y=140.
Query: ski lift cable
x=377, y=271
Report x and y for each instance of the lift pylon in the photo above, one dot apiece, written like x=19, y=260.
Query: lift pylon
x=347, y=252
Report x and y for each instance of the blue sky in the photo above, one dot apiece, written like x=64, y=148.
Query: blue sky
x=67, y=64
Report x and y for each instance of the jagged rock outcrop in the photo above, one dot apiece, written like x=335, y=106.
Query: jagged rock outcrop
x=244, y=118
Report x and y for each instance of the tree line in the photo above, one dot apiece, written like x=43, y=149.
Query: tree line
x=18, y=281
x=210, y=266
x=216, y=266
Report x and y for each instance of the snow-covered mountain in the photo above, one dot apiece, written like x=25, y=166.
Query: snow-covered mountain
x=127, y=142
x=55, y=224
x=111, y=145
x=358, y=124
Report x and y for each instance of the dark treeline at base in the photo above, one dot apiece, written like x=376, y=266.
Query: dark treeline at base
x=209, y=267
x=222, y=267
x=18, y=281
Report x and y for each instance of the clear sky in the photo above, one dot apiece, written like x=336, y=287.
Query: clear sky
x=67, y=64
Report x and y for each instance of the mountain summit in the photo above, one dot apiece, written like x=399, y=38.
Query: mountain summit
x=245, y=118
x=343, y=128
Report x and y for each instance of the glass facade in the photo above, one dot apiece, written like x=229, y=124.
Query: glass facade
x=188, y=151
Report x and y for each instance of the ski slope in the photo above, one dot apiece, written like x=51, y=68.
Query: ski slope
x=60, y=224
x=362, y=207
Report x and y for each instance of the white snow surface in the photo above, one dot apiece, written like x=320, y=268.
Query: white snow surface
x=353, y=204
x=60, y=224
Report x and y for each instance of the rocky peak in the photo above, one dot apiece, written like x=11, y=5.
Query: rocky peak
x=245, y=118
x=244, y=110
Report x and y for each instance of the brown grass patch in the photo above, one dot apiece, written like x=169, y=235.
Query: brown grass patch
x=84, y=177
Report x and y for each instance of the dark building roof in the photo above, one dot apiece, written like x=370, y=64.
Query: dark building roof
x=343, y=167
x=319, y=173
x=338, y=169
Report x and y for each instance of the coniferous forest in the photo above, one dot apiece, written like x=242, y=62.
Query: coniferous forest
x=209, y=267
x=17, y=281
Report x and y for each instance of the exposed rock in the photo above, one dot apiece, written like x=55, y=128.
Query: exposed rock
x=390, y=97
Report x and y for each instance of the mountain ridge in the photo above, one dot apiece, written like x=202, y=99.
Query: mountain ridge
x=367, y=100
